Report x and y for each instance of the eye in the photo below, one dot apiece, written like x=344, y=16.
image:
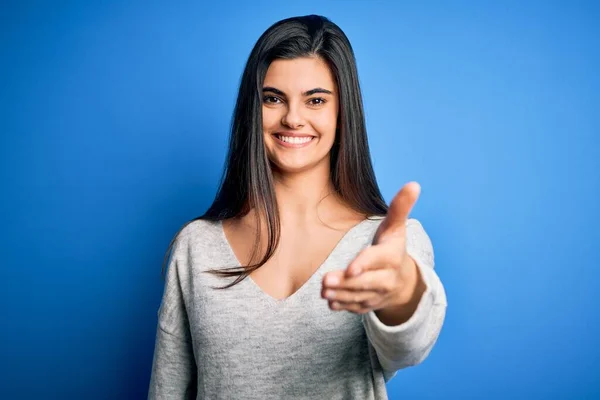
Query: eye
x=317, y=101
x=271, y=99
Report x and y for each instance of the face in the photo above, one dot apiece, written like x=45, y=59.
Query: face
x=300, y=111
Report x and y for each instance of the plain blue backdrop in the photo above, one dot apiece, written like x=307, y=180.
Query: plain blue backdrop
x=114, y=124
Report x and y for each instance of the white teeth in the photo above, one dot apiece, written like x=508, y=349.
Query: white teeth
x=294, y=140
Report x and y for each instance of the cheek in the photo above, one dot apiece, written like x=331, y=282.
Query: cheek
x=326, y=123
x=270, y=119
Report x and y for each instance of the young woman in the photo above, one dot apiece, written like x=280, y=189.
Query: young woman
x=298, y=282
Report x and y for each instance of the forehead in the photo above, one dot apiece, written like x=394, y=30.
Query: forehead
x=299, y=75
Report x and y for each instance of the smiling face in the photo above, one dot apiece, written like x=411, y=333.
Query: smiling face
x=300, y=111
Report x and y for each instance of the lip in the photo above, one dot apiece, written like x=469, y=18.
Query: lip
x=293, y=134
x=293, y=145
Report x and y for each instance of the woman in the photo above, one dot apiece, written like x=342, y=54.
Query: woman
x=298, y=282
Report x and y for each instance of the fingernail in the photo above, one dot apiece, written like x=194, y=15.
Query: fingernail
x=330, y=294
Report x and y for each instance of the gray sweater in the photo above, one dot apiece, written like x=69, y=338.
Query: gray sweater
x=240, y=343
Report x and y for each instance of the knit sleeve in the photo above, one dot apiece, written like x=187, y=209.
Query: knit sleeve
x=174, y=373
x=409, y=343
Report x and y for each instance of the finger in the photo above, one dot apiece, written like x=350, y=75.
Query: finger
x=373, y=258
x=356, y=308
x=398, y=212
x=351, y=296
x=379, y=281
x=334, y=279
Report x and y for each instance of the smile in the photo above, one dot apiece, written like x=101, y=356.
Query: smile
x=294, y=142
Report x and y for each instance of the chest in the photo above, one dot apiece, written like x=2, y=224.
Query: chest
x=244, y=330
x=300, y=253
x=298, y=257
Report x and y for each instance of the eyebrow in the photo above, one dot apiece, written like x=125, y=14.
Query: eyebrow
x=307, y=93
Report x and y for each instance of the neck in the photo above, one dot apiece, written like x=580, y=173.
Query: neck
x=306, y=196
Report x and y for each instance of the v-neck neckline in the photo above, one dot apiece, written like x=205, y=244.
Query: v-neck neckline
x=272, y=300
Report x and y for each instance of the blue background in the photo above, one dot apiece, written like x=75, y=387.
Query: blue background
x=114, y=124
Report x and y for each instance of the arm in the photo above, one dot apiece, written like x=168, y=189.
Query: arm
x=410, y=342
x=174, y=373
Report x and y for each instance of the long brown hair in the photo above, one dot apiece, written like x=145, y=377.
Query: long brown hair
x=247, y=181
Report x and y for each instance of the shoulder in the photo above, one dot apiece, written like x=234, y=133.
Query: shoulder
x=418, y=242
x=196, y=235
x=199, y=228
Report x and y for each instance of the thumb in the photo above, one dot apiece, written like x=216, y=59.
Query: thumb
x=395, y=221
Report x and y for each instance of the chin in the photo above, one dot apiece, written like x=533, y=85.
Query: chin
x=290, y=168
x=297, y=166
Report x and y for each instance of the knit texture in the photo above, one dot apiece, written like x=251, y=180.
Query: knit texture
x=240, y=343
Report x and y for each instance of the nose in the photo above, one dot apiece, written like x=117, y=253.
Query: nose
x=292, y=118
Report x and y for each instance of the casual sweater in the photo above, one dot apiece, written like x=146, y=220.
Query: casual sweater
x=241, y=343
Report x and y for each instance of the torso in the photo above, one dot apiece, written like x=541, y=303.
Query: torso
x=301, y=251
x=246, y=344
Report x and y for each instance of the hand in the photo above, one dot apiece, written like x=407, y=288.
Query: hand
x=382, y=276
